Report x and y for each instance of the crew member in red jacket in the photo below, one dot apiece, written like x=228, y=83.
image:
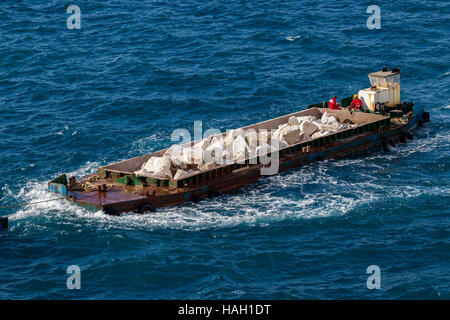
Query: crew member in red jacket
x=356, y=103
x=333, y=104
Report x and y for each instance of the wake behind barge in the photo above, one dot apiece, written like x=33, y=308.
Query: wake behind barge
x=116, y=188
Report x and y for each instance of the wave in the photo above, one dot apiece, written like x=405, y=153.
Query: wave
x=301, y=194
x=37, y=191
x=255, y=206
x=292, y=38
x=315, y=190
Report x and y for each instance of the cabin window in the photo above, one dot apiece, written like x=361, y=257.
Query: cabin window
x=397, y=78
x=378, y=81
x=390, y=80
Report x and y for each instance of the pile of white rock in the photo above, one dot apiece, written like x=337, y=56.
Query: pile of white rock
x=179, y=162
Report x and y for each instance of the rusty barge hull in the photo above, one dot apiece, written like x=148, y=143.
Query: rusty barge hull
x=127, y=193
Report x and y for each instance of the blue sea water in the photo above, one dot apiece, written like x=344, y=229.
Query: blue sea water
x=72, y=100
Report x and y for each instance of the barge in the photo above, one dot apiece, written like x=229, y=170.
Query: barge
x=384, y=123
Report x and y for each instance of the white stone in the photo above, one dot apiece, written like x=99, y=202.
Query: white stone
x=178, y=162
x=174, y=151
x=304, y=137
x=181, y=174
x=203, y=144
x=192, y=155
x=227, y=157
x=308, y=128
x=277, y=144
x=228, y=141
x=307, y=119
x=251, y=138
x=239, y=148
x=324, y=118
x=262, y=149
x=216, y=142
x=293, y=121
x=239, y=132
x=330, y=120
x=264, y=136
x=284, y=130
x=158, y=165
x=292, y=137
x=213, y=154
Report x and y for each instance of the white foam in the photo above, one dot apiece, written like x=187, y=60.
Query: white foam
x=315, y=190
x=257, y=205
x=292, y=38
x=37, y=191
